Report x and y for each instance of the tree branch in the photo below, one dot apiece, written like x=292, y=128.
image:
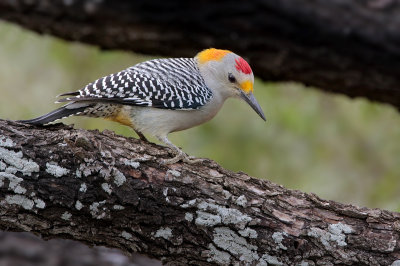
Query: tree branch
x=104, y=189
x=348, y=47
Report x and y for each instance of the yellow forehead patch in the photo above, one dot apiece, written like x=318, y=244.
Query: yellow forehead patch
x=247, y=86
x=212, y=54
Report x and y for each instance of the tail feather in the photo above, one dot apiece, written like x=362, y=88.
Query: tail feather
x=59, y=113
x=73, y=93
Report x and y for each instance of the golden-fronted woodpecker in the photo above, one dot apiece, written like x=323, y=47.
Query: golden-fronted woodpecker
x=161, y=96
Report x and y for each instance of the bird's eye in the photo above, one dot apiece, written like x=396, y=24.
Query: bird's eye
x=231, y=78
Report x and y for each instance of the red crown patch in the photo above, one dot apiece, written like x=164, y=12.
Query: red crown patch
x=243, y=66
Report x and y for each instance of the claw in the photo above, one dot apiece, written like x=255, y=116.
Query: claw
x=181, y=156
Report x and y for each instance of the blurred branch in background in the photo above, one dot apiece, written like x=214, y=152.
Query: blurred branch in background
x=348, y=47
x=26, y=249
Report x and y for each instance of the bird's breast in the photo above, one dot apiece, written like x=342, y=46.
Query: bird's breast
x=157, y=122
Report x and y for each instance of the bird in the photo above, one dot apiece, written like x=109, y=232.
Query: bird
x=161, y=96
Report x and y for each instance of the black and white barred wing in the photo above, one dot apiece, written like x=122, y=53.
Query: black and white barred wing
x=160, y=83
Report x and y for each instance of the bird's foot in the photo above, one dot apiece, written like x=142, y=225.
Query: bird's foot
x=181, y=156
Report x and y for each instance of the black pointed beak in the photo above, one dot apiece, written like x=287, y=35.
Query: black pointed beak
x=251, y=100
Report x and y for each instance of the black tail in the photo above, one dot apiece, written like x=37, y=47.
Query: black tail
x=59, y=113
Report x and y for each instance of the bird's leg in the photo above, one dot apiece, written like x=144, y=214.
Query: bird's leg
x=141, y=136
x=179, y=154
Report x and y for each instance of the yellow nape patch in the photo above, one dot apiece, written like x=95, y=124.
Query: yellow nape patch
x=211, y=54
x=121, y=117
x=247, y=86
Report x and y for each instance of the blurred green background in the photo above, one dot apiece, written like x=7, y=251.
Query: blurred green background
x=339, y=148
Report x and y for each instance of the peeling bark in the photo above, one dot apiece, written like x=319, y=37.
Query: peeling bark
x=104, y=189
x=348, y=47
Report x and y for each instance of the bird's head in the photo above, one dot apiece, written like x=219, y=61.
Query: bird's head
x=229, y=73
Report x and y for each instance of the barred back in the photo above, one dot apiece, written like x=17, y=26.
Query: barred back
x=161, y=83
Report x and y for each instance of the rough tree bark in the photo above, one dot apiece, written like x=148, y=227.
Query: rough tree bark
x=103, y=189
x=349, y=47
